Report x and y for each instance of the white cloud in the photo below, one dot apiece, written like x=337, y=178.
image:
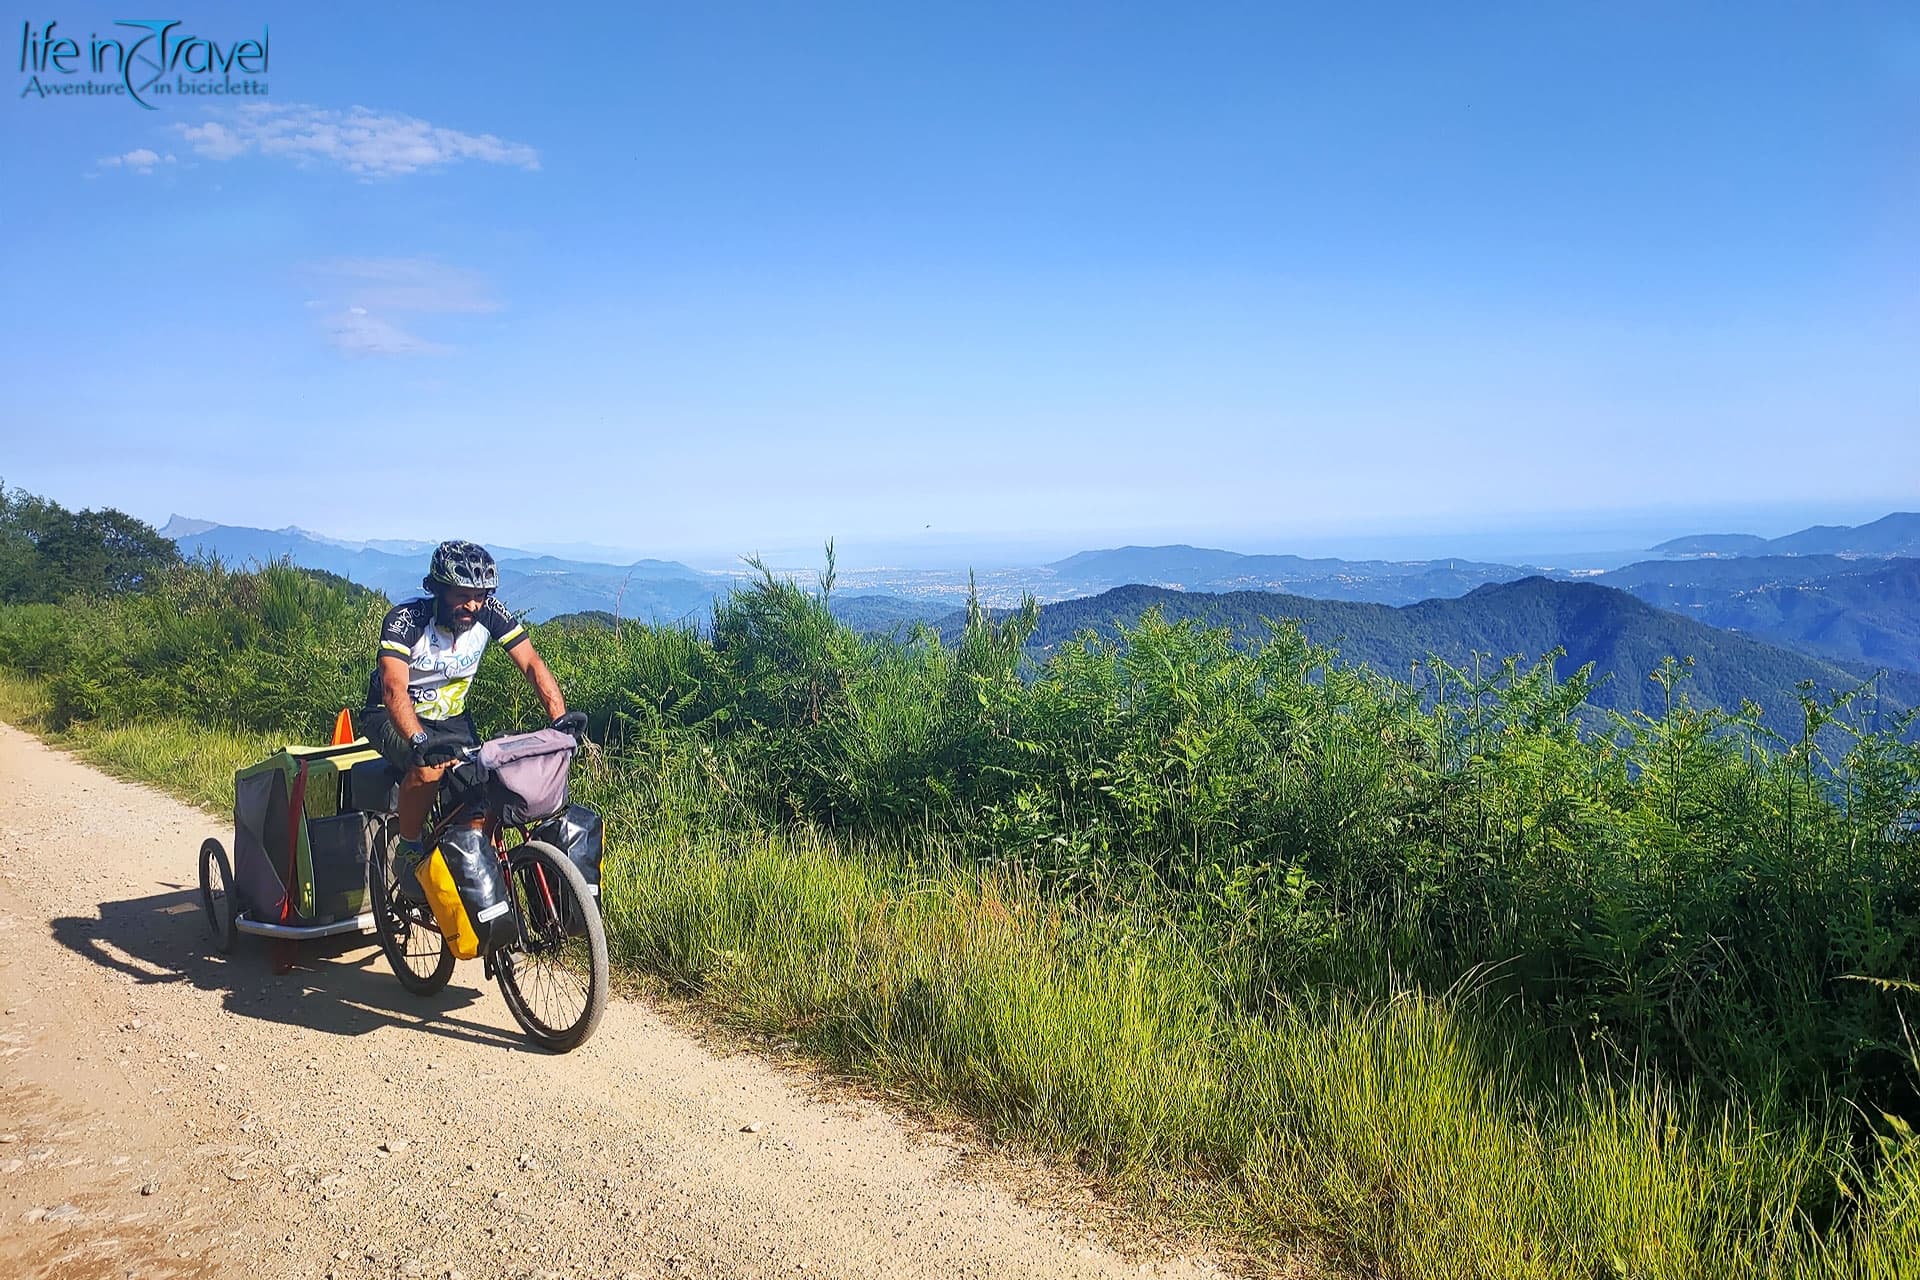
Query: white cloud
x=362, y=295
x=140, y=160
x=370, y=144
x=212, y=139
x=357, y=333
x=411, y=284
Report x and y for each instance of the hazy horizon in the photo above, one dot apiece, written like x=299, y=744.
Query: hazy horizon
x=1587, y=540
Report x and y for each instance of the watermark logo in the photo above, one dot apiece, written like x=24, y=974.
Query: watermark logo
x=152, y=60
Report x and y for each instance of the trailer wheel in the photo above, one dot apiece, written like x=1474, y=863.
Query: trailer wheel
x=216, y=894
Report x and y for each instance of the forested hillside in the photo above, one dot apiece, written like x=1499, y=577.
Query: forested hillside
x=1624, y=638
x=49, y=553
x=1861, y=611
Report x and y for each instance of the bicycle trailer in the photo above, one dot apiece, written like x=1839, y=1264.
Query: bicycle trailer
x=304, y=821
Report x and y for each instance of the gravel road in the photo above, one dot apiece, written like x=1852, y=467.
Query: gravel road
x=169, y=1112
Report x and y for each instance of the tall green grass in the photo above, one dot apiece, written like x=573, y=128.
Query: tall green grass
x=1387, y=1134
x=1434, y=980
x=193, y=761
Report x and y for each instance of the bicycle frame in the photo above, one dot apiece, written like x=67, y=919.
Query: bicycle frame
x=492, y=829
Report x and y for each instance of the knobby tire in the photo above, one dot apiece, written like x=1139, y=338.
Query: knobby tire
x=553, y=969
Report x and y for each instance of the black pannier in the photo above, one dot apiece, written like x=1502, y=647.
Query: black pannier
x=338, y=849
x=578, y=833
x=371, y=786
x=467, y=891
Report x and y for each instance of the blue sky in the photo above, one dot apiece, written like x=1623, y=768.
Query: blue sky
x=706, y=278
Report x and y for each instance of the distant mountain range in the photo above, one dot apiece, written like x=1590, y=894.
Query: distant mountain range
x=1850, y=610
x=542, y=586
x=1836, y=597
x=1205, y=569
x=1891, y=535
x=1624, y=638
x=179, y=527
x=667, y=591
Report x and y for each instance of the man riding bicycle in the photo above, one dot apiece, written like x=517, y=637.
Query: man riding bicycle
x=429, y=652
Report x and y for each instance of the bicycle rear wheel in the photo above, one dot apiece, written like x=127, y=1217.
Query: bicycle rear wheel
x=556, y=976
x=414, y=947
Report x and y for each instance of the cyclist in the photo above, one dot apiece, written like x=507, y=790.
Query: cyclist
x=416, y=713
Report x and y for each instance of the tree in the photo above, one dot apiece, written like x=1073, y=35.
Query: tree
x=48, y=552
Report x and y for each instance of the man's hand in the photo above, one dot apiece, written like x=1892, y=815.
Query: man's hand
x=573, y=722
x=439, y=748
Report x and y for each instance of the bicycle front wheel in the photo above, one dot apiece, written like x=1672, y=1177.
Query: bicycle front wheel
x=555, y=976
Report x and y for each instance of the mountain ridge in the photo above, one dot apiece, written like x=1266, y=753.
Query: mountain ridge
x=1838, y=608
x=1864, y=610
x=1895, y=534
x=652, y=590
x=1212, y=569
x=1624, y=637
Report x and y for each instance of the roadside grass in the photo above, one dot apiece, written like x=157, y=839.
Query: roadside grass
x=1399, y=1134
x=194, y=762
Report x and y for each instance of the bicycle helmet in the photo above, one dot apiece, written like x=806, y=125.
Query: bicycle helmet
x=462, y=564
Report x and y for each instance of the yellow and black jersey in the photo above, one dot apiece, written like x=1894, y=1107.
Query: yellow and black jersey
x=440, y=663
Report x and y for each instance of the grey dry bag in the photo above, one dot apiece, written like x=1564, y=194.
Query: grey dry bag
x=527, y=774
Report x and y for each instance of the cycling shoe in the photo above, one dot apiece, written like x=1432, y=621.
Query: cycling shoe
x=407, y=884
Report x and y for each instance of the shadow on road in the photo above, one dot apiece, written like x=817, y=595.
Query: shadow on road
x=339, y=985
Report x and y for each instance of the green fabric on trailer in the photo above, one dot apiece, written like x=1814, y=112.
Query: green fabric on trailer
x=261, y=829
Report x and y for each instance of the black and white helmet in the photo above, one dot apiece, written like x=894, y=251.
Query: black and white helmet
x=462, y=564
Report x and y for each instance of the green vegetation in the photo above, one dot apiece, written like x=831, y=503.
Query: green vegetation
x=194, y=761
x=1624, y=640
x=1435, y=982
x=49, y=553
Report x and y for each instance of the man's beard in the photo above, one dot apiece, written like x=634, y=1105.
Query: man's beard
x=446, y=617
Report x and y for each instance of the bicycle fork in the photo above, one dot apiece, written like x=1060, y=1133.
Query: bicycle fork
x=539, y=873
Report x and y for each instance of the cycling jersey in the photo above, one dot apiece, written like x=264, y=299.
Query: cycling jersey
x=440, y=663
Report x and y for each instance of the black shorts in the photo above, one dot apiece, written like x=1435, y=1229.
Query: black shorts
x=378, y=728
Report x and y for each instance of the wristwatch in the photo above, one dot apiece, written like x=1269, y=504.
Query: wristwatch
x=418, y=738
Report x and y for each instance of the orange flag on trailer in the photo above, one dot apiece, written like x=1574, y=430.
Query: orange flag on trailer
x=343, y=728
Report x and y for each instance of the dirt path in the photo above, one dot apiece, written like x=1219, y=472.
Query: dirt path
x=165, y=1111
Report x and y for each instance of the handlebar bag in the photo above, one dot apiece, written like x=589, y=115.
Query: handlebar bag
x=578, y=834
x=467, y=890
x=527, y=774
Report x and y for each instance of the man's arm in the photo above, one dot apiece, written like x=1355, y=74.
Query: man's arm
x=393, y=689
x=534, y=668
